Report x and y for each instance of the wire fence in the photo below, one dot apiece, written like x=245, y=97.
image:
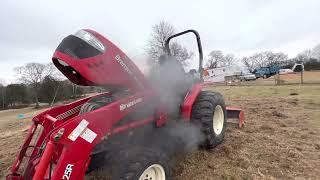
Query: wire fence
x=303, y=77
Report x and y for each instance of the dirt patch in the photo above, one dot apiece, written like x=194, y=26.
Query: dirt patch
x=279, y=114
x=266, y=127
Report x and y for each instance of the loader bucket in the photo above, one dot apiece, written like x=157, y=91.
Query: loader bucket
x=235, y=115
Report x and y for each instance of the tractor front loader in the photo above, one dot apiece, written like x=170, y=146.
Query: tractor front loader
x=67, y=141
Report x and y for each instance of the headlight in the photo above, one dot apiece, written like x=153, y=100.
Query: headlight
x=62, y=63
x=90, y=39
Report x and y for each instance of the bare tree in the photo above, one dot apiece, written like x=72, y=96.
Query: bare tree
x=215, y=57
x=249, y=63
x=276, y=59
x=303, y=56
x=260, y=59
x=180, y=52
x=218, y=59
x=263, y=59
x=228, y=60
x=315, y=53
x=156, y=44
x=33, y=74
x=257, y=60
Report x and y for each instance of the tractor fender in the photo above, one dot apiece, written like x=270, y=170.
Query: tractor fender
x=190, y=98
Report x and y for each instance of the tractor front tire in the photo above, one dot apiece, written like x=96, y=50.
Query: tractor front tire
x=209, y=112
x=141, y=163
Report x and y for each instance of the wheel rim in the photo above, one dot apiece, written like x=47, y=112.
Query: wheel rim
x=153, y=172
x=218, y=120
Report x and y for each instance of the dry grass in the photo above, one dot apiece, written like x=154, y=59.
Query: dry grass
x=279, y=141
x=12, y=132
x=308, y=77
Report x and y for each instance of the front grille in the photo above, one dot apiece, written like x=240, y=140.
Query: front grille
x=69, y=113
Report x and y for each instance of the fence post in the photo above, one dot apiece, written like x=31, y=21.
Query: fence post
x=302, y=75
x=277, y=79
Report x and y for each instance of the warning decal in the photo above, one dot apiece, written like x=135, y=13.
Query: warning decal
x=88, y=135
x=78, y=130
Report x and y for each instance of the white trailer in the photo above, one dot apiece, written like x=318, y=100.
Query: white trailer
x=218, y=74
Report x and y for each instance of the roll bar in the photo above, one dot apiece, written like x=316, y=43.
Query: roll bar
x=167, y=47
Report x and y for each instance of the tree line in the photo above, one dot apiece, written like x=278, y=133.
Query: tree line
x=216, y=58
x=310, y=59
x=37, y=83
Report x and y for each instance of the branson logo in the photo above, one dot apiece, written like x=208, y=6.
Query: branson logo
x=124, y=66
x=129, y=104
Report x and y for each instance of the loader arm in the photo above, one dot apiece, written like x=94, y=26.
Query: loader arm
x=64, y=147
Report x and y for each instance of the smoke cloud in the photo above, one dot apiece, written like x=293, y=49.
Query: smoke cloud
x=172, y=84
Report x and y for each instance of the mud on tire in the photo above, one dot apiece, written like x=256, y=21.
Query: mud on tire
x=203, y=114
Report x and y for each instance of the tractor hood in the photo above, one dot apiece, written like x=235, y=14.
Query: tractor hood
x=87, y=58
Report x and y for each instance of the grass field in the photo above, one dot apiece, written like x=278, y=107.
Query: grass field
x=307, y=95
x=280, y=139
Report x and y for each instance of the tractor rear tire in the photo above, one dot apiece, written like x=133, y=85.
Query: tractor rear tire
x=141, y=163
x=209, y=112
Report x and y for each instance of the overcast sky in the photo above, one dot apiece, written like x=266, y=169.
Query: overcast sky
x=31, y=30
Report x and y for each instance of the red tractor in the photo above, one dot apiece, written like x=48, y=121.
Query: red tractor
x=118, y=127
